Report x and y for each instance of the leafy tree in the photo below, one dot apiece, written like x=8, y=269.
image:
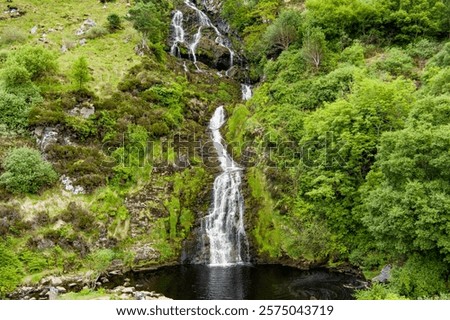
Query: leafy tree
x=407, y=194
x=284, y=30
x=314, y=47
x=339, y=145
x=13, y=111
x=405, y=21
x=16, y=80
x=37, y=60
x=26, y=171
x=353, y=54
x=151, y=20
x=80, y=72
x=114, y=22
x=343, y=17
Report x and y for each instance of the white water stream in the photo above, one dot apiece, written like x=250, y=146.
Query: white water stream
x=224, y=225
x=192, y=41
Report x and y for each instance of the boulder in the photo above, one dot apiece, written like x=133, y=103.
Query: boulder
x=384, y=276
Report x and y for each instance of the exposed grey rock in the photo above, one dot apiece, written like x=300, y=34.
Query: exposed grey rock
x=82, y=42
x=56, y=281
x=45, y=137
x=384, y=276
x=61, y=289
x=138, y=295
x=69, y=185
x=64, y=48
x=84, y=112
x=52, y=293
x=128, y=290
x=34, y=30
x=89, y=23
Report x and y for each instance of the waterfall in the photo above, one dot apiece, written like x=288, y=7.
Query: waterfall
x=178, y=31
x=246, y=92
x=224, y=225
x=203, y=22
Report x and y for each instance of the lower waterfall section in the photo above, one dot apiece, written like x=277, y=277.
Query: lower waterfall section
x=224, y=225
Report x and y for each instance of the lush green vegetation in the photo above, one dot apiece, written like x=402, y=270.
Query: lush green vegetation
x=352, y=119
x=346, y=138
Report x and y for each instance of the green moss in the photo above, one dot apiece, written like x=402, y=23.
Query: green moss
x=267, y=232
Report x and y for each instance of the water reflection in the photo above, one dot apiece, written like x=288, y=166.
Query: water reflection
x=265, y=282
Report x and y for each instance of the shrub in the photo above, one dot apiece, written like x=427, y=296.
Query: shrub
x=420, y=277
x=17, y=81
x=378, y=292
x=96, y=32
x=80, y=73
x=80, y=218
x=13, y=111
x=10, y=270
x=396, y=62
x=26, y=171
x=99, y=261
x=114, y=22
x=37, y=60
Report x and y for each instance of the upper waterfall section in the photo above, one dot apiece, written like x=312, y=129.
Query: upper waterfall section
x=199, y=37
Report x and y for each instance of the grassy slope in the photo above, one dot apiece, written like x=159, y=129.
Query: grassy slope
x=109, y=56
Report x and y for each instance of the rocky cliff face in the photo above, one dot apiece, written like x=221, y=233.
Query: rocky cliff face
x=199, y=34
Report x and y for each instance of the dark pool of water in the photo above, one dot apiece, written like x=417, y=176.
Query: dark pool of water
x=264, y=282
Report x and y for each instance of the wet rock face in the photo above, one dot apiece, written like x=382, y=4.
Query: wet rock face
x=202, y=35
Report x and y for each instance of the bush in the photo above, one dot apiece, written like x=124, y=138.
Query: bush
x=114, y=22
x=13, y=111
x=26, y=171
x=420, y=277
x=80, y=73
x=378, y=292
x=80, y=218
x=99, y=261
x=96, y=32
x=396, y=62
x=10, y=270
x=17, y=81
x=37, y=60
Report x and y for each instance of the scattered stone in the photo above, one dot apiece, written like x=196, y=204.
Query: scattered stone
x=139, y=295
x=55, y=281
x=68, y=185
x=73, y=284
x=89, y=22
x=61, y=289
x=84, y=112
x=384, y=276
x=45, y=137
x=52, y=293
x=34, y=30
x=118, y=289
x=82, y=42
x=64, y=49
x=128, y=290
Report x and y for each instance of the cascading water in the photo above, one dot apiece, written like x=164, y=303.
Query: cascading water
x=224, y=226
x=246, y=92
x=178, y=31
x=203, y=22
